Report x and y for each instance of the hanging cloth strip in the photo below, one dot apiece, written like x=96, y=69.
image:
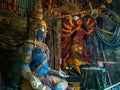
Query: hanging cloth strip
x=98, y=49
x=24, y=5
x=90, y=46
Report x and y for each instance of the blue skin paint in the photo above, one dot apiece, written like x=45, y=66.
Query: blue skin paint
x=38, y=55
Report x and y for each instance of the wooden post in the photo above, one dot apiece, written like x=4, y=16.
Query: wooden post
x=49, y=41
x=53, y=41
x=58, y=43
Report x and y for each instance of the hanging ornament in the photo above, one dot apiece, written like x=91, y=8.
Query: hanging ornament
x=94, y=13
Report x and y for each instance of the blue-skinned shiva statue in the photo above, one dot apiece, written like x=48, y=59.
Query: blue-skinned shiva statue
x=35, y=56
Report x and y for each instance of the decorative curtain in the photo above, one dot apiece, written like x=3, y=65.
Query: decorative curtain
x=18, y=6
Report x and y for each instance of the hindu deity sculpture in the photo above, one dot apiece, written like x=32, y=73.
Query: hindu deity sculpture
x=74, y=46
x=35, y=57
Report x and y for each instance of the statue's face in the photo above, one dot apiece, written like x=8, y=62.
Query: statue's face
x=77, y=48
x=42, y=27
x=40, y=35
x=44, y=31
x=38, y=29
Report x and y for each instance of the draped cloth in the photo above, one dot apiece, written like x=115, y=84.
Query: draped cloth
x=109, y=34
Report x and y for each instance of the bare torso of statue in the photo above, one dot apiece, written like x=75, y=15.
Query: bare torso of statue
x=35, y=57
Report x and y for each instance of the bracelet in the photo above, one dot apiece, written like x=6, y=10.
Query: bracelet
x=94, y=13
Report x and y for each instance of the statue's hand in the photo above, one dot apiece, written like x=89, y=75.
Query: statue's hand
x=60, y=86
x=62, y=74
x=36, y=83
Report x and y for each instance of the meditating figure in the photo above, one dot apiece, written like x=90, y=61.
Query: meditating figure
x=35, y=57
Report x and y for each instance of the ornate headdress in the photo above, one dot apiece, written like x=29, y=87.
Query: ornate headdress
x=37, y=12
x=38, y=23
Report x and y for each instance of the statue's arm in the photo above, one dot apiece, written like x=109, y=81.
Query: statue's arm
x=26, y=59
x=26, y=71
x=52, y=71
x=59, y=73
x=115, y=16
